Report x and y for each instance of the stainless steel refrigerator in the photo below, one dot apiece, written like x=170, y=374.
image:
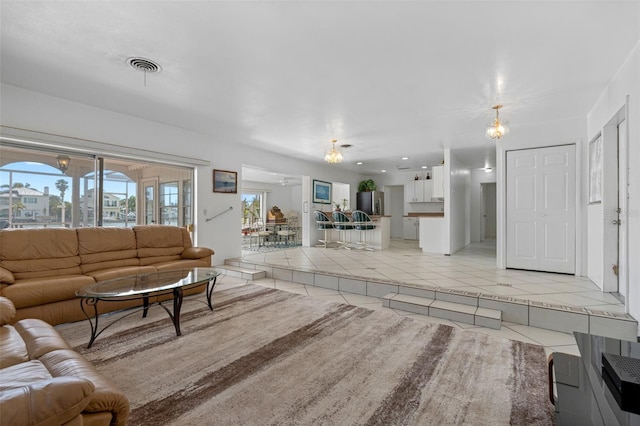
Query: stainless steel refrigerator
x=370, y=202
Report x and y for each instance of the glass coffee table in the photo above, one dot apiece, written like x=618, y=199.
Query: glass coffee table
x=145, y=287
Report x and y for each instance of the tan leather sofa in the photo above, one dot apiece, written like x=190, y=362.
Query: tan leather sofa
x=41, y=269
x=45, y=382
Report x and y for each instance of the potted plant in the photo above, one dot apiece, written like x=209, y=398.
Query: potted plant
x=367, y=186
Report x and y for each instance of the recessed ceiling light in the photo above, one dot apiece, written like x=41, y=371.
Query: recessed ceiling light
x=488, y=169
x=405, y=158
x=359, y=163
x=383, y=171
x=424, y=167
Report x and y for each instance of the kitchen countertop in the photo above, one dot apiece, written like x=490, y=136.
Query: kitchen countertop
x=372, y=216
x=419, y=214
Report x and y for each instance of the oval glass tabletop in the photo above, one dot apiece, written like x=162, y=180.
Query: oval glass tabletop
x=148, y=283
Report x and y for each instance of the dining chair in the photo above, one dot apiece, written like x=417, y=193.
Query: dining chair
x=260, y=233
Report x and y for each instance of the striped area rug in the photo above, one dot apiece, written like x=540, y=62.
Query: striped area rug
x=267, y=357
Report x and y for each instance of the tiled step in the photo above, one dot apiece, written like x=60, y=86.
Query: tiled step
x=459, y=312
x=239, y=272
x=565, y=319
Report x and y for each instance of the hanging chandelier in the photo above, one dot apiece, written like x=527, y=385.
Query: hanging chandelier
x=497, y=129
x=333, y=155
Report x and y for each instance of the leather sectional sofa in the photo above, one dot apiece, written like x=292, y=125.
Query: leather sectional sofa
x=45, y=382
x=41, y=269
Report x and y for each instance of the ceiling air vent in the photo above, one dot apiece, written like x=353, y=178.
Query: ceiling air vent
x=142, y=64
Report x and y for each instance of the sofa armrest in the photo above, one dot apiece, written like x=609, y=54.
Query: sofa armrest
x=197, y=252
x=106, y=397
x=6, y=276
x=7, y=311
x=53, y=401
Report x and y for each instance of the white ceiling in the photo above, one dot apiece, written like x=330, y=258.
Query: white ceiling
x=390, y=78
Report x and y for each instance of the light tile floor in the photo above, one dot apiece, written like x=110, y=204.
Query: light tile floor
x=552, y=341
x=471, y=269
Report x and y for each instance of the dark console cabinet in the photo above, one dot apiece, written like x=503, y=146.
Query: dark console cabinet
x=599, y=386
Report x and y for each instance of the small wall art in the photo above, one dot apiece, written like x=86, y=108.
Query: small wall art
x=225, y=181
x=321, y=192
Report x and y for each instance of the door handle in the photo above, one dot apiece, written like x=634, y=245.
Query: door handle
x=616, y=221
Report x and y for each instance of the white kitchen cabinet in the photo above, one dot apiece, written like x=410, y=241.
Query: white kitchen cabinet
x=433, y=238
x=437, y=178
x=410, y=228
x=418, y=191
x=409, y=193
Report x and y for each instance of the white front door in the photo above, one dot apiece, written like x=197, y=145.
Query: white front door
x=541, y=209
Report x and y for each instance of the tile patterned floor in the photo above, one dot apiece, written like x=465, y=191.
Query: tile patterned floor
x=471, y=269
x=552, y=341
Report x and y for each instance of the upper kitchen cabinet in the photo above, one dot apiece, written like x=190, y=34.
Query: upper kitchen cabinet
x=437, y=178
x=418, y=191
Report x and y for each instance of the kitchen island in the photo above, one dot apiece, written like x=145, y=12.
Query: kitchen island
x=432, y=233
x=378, y=238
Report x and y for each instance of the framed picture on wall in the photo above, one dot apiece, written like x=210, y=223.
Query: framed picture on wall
x=321, y=192
x=225, y=181
x=595, y=171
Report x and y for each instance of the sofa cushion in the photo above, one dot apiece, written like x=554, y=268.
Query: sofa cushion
x=160, y=243
x=45, y=252
x=112, y=273
x=23, y=374
x=173, y=265
x=14, y=350
x=54, y=401
x=39, y=337
x=40, y=291
x=106, y=248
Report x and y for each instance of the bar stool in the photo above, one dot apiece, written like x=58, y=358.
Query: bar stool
x=363, y=223
x=342, y=223
x=324, y=224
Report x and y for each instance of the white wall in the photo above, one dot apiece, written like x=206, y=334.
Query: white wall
x=34, y=111
x=478, y=177
x=624, y=83
x=572, y=131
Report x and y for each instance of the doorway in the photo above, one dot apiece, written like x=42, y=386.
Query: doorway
x=614, y=195
x=395, y=208
x=488, y=219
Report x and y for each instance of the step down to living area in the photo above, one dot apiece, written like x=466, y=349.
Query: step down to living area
x=467, y=314
x=239, y=272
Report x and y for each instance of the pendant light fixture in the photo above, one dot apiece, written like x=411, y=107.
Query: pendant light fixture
x=497, y=129
x=63, y=162
x=333, y=155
